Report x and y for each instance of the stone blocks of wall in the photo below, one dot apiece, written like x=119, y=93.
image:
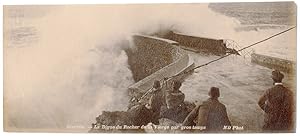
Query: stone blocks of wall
x=198, y=44
x=274, y=63
x=149, y=55
x=173, y=61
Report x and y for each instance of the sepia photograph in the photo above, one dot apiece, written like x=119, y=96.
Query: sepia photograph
x=150, y=68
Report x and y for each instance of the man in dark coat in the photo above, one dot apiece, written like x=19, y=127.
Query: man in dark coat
x=277, y=103
x=211, y=114
x=175, y=103
x=175, y=97
x=156, y=101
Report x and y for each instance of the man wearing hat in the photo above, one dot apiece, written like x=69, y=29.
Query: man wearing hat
x=175, y=97
x=277, y=103
x=175, y=103
x=211, y=114
x=156, y=101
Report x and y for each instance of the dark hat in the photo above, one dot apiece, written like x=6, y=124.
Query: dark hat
x=214, y=92
x=277, y=75
x=176, y=84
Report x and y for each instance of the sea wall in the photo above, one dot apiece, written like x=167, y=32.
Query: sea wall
x=155, y=58
x=198, y=44
x=274, y=63
x=150, y=54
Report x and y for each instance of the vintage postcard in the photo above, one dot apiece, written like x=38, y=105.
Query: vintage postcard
x=150, y=68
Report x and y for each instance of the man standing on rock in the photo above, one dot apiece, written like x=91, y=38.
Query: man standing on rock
x=175, y=103
x=175, y=97
x=210, y=114
x=277, y=103
x=156, y=101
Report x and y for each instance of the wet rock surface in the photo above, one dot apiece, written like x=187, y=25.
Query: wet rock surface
x=138, y=117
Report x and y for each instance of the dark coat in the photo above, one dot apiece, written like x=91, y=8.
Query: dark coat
x=277, y=103
x=174, y=99
x=210, y=113
x=156, y=100
x=175, y=106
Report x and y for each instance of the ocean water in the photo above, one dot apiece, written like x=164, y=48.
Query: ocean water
x=280, y=13
x=64, y=65
x=264, y=18
x=242, y=83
